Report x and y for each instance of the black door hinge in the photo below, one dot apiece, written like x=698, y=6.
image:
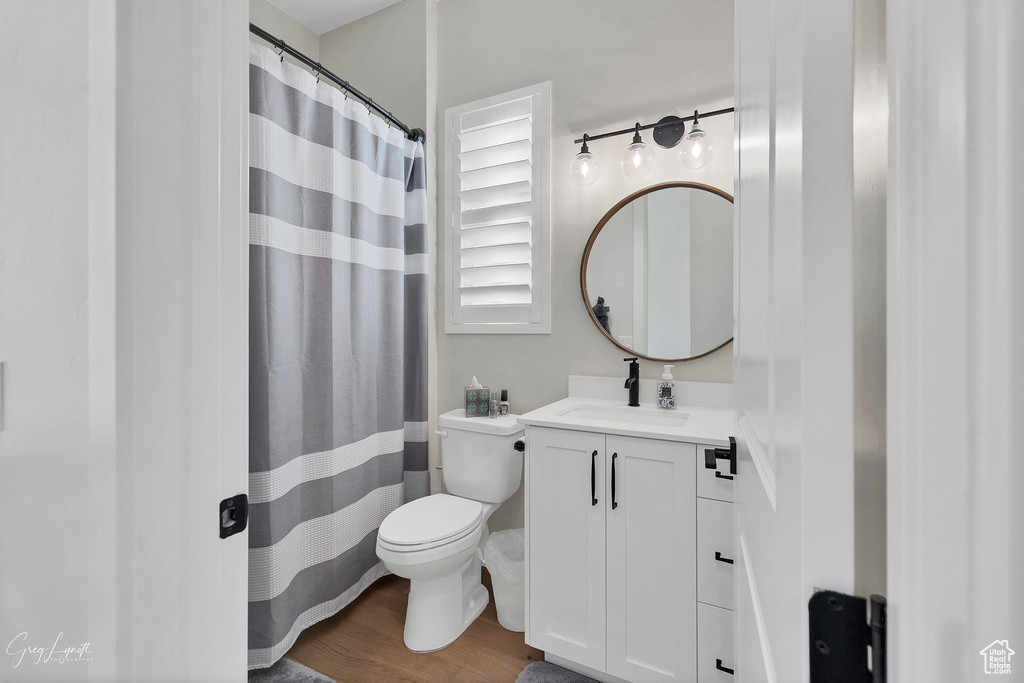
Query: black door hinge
x=234, y=514
x=841, y=634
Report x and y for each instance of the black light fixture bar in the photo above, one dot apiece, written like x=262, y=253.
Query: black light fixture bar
x=667, y=121
x=412, y=134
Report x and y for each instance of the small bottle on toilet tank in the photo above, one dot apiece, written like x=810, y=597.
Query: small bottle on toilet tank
x=503, y=404
x=492, y=405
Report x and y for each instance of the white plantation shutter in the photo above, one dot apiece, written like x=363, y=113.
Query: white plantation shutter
x=497, y=208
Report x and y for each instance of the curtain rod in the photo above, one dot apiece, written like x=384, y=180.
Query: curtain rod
x=413, y=134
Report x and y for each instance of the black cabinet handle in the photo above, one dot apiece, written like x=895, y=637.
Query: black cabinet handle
x=614, y=503
x=593, y=478
x=719, y=475
x=718, y=556
x=718, y=665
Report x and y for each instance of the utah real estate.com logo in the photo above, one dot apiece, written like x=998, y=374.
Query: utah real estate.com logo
x=997, y=657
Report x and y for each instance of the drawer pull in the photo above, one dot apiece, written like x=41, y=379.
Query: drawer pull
x=614, y=503
x=719, y=475
x=718, y=665
x=593, y=478
x=718, y=556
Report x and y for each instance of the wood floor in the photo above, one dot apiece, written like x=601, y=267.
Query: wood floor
x=363, y=644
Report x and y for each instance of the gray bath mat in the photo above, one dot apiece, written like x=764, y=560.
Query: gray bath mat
x=546, y=672
x=287, y=671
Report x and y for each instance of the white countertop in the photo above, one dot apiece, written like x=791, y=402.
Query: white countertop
x=711, y=426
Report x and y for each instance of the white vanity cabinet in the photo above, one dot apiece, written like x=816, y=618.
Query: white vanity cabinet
x=715, y=571
x=565, y=544
x=613, y=577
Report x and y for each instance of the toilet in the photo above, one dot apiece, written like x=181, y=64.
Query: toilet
x=436, y=542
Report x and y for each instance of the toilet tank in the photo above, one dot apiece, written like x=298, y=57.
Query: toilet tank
x=479, y=457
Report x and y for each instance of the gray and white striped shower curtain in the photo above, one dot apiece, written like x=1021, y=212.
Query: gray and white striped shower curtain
x=338, y=346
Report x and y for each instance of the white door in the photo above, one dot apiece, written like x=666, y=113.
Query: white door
x=800, y=345
x=956, y=324
x=123, y=279
x=652, y=577
x=565, y=552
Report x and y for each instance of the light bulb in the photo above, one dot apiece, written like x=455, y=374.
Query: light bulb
x=584, y=168
x=638, y=158
x=697, y=148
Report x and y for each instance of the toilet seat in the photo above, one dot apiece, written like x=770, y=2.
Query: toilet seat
x=429, y=522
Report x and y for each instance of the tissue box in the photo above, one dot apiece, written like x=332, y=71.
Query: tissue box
x=476, y=402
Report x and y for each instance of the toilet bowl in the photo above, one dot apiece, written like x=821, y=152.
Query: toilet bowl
x=440, y=563
x=435, y=541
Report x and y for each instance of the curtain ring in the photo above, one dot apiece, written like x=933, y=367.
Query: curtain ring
x=318, y=70
x=281, y=51
x=369, y=101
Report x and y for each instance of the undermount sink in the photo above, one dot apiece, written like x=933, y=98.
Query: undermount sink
x=636, y=415
x=603, y=409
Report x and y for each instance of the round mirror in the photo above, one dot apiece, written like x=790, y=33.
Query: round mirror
x=656, y=275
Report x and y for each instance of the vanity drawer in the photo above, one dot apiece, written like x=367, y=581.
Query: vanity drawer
x=715, y=535
x=714, y=644
x=717, y=483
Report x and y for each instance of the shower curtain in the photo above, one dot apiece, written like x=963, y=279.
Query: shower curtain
x=338, y=346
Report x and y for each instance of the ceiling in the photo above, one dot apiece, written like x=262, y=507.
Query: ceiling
x=321, y=16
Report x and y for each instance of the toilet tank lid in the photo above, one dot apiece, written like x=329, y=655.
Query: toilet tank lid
x=503, y=425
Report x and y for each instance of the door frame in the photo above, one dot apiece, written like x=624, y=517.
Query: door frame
x=956, y=327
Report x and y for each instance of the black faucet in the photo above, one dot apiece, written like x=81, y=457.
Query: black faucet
x=633, y=381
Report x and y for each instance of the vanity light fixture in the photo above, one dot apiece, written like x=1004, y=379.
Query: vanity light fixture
x=638, y=158
x=695, y=152
x=698, y=147
x=584, y=168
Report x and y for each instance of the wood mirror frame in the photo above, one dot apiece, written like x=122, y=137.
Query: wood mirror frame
x=593, y=238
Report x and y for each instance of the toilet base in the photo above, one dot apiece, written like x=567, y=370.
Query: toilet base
x=441, y=608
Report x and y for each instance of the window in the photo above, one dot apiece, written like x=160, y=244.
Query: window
x=497, y=213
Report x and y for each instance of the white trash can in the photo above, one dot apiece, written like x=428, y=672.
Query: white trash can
x=505, y=558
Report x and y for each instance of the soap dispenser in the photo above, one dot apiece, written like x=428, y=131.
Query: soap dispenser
x=667, y=389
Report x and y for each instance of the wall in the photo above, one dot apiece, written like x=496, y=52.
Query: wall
x=269, y=18
x=610, y=65
x=386, y=51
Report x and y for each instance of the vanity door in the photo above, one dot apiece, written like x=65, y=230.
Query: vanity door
x=651, y=522
x=565, y=544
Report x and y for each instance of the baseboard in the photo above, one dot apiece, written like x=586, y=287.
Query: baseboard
x=580, y=669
